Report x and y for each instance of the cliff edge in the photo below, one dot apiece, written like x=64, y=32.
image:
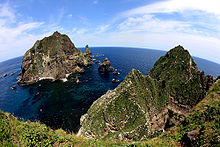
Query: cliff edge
x=53, y=57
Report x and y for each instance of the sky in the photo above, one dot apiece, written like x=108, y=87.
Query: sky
x=154, y=24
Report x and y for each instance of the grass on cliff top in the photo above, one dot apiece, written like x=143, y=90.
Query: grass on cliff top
x=19, y=133
x=205, y=116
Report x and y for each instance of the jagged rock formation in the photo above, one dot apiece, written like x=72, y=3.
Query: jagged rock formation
x=88, y=55
x=201, y=126
x=143, y=106
x=105, y=66
x=53, y=58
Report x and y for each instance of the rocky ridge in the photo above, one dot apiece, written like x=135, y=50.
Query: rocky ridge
x=144, y=106
x=54, y=58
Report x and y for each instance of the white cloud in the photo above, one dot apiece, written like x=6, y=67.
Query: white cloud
x=169, y=6
x=6, y=13
x=102, y=28
x=13, y=40
x=81, y=31
x=163, y=25
x=203, y=47
x=69, y=15
x=147, y=23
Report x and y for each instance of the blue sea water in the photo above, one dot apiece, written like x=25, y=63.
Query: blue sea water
x=60, y=104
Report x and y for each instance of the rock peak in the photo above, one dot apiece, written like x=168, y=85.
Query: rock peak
x=56, y=33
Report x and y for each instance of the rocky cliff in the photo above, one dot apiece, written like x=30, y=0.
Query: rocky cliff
x=144, y=106
x=53, y=57
x=105, y=66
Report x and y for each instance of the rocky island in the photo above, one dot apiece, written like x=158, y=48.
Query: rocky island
x=53, y=57
x=144, y=106
x=105, y=66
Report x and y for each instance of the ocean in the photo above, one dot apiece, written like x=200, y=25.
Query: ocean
x=60, y=104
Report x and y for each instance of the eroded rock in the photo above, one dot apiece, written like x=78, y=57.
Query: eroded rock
x=53, y=57
x=105, y=66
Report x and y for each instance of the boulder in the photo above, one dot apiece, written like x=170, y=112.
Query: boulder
x=13, y=87
x=115, y=73
x=12, y=74
x=5, y=75
x=189, y=139
x=105, y=66
x=97, y=61
x=115, y=81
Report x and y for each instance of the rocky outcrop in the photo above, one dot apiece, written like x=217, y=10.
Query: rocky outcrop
x=97, y=61
x=105, y=66
x=144, y=106
x=88, y=55
x=53, y=58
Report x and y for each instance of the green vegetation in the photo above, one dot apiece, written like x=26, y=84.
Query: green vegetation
x=178, y=76
x=19, y=133
x=204, y=116
x=136, y=109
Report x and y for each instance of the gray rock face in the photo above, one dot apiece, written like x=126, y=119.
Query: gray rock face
x=53, y=58
x=105, y=66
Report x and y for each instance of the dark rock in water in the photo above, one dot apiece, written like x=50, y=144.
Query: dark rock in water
x=105, y=66
x=115, y=73
x=12, y=74
x=115, y=81
x=13, y=87
x=37, y=94
x=53, y=58
x=5, y=75
x=77, y=80
x=142, y=106
x=97, y=61
x=99, y=55
x=19, y=79
x=19, y=74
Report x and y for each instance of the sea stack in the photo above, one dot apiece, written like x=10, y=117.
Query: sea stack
x=141, y=107
x=53, y=58
x=105, y=66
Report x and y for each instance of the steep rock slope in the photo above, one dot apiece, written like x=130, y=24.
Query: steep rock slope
x=199, y=128
x=53, y=57
x=144, y=106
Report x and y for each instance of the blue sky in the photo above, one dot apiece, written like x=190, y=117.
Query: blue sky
x=155, y=24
